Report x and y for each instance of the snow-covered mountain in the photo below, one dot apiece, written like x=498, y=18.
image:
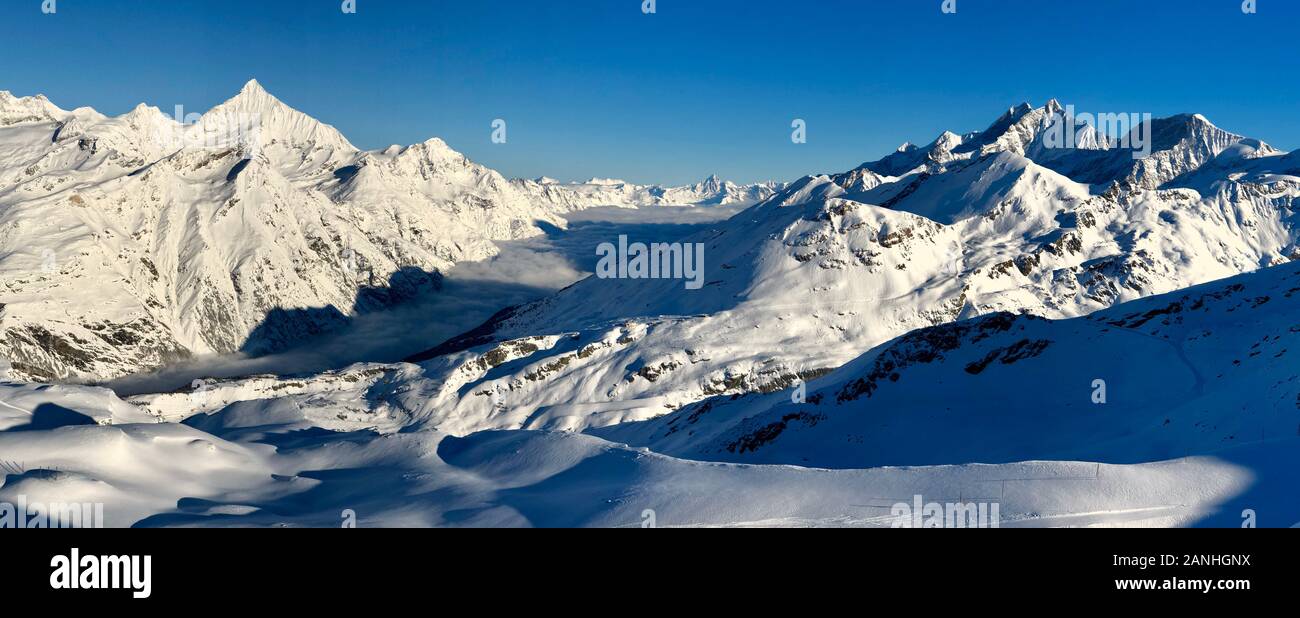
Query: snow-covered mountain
x=834, y=265
x=1015, y=323
x=128, y=242
x=713, y=191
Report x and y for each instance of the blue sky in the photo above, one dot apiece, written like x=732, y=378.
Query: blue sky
x=597, y=88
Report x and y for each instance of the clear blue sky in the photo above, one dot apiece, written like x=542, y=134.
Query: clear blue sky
x=596, y=88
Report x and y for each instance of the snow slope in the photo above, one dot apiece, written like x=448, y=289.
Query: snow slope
x=1190, y=373
x=263, y=464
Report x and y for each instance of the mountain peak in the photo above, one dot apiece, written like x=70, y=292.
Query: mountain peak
x=947, y=137
x=435, y=148
x=254, y=110
x=1193, y=119
x=15, y=109
x=1019, y=110
x=253, y=97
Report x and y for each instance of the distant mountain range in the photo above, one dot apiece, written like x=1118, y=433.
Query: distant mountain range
x=713, y=191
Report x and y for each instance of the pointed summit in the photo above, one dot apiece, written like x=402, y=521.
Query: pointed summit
x=712, y=184
x=254, y=112
x=253, y=97
x=433, y=149
x=947, y=139
x=146, y=115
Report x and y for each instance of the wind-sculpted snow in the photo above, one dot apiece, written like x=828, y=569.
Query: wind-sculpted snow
x=269, y=464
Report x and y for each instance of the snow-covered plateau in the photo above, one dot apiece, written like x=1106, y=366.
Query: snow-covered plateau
x=1073, y=336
